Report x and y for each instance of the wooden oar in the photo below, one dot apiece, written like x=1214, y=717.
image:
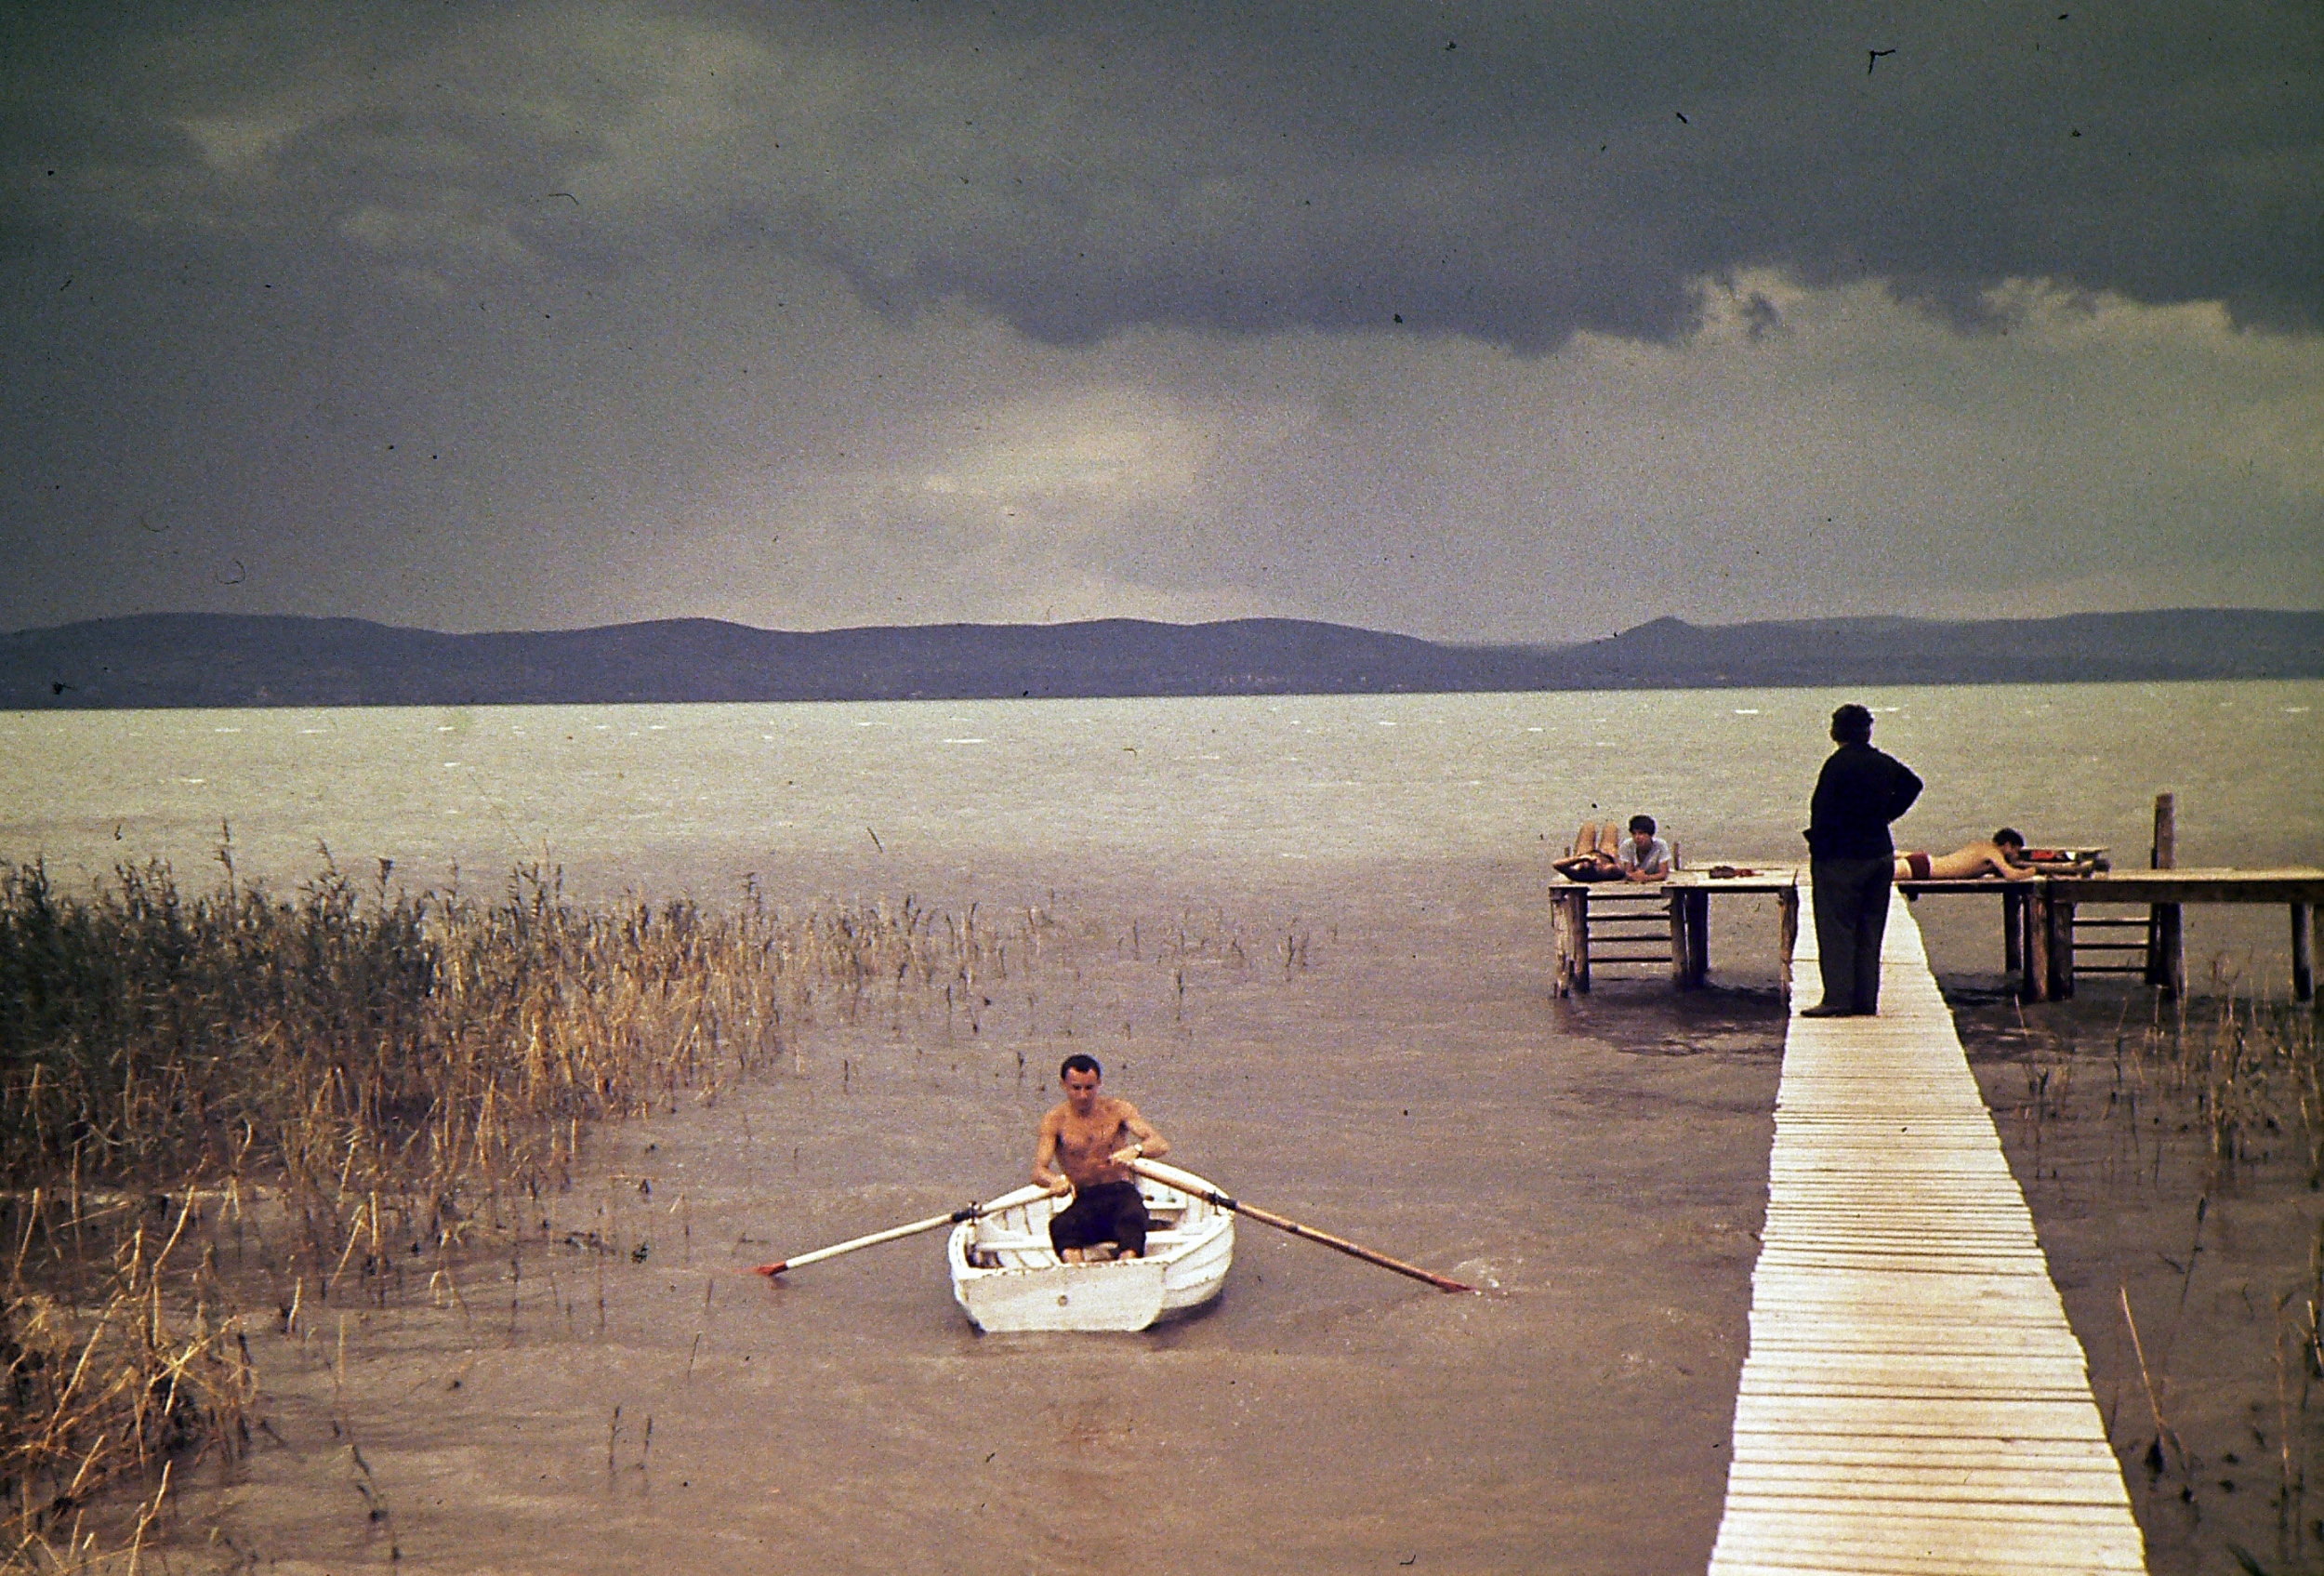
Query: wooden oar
x=1187, y=1182
x=965, y=1212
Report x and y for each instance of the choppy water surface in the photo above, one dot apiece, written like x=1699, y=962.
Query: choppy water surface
x=1403, y=1078
x=699, y=794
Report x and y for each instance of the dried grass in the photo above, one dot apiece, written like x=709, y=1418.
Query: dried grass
x=381, y=1067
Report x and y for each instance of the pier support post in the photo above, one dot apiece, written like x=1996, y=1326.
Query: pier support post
x=1570, y=920
x=1681, y=947
x=1562, y=940
x=2012, y=930
x=1698, y=937
x=2303, y=952
x=2166, y=940
x=2061, y=947
x=1786, y=935
x=2033, y=984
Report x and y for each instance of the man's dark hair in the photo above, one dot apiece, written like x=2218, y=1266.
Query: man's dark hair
x=1643, y=823
x=1079, y=1062
x=2009, y=837
x=1852, y=725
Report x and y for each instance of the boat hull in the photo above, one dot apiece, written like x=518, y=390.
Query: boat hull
x=1006, y=1278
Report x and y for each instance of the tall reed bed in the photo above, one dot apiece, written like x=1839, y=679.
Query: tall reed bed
x=380, y=1065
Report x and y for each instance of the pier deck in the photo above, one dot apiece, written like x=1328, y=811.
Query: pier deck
x=1914, y=1400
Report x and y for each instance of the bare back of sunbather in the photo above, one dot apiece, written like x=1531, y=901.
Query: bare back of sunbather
x=1966, y=863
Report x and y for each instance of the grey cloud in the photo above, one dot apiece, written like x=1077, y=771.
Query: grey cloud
x=1512, y=173
x=543, y=315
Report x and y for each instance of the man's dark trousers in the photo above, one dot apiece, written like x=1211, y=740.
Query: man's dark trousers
x=1850, y=898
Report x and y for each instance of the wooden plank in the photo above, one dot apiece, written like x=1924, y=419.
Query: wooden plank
x=1913, y=1400
x=2166, y=942
x=2194, y=886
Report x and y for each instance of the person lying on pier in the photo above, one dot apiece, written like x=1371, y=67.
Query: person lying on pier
x=1086, y=1139
x=1600, y=856
x=1596, y=855
x=2003, y=854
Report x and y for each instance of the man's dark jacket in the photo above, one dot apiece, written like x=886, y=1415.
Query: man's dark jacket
x=1860, y=791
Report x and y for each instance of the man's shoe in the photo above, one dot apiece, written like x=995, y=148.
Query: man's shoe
x=1828, y=1010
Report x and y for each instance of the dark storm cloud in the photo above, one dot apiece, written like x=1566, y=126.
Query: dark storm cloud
x=540, y=314
x=1512, y=173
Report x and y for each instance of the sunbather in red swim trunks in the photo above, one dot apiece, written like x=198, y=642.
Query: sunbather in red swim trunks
x=1998, y=856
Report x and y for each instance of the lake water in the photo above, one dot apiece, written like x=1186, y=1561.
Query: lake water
x=663, y=796
x=1601, y=1160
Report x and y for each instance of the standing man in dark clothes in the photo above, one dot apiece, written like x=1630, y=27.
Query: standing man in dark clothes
x=1851, y=862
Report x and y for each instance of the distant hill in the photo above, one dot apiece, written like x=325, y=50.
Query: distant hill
x=225, y=660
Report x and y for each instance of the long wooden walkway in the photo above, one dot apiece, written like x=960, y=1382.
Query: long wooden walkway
x=1914, y=1400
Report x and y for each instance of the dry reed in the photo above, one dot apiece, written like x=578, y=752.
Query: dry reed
x=382, y=1068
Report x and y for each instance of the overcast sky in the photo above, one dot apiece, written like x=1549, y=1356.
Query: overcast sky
x=1520, y=321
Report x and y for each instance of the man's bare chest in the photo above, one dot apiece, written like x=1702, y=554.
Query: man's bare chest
x=1088, y=1138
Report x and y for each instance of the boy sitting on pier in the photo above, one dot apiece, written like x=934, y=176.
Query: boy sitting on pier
x=2003, y=854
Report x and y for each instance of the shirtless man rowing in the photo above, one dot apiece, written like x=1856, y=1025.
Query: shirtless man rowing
x=1083, y=1151
x=2002, y=855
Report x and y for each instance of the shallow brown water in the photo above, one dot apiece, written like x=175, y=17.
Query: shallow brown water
x=1411, y=1084
x=2115, y=1158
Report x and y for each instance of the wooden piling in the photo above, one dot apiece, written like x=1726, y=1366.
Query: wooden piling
x=2166, y=939
x=2033, y=983
x=2013, y=931
x=1787, y=934
x=1561, y=938
x=1570, y=921
x=2061, y=947
x=2303, y=952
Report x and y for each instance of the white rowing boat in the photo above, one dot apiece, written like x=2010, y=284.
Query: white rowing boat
x=1006, y=1275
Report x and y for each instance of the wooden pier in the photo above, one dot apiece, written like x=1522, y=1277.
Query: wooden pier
x=1638, y=917
x=2045, y=931
x=2050, y=922
x=1914, y=1400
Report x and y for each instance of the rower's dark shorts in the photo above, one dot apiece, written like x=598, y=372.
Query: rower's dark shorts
x=1112, y=1212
